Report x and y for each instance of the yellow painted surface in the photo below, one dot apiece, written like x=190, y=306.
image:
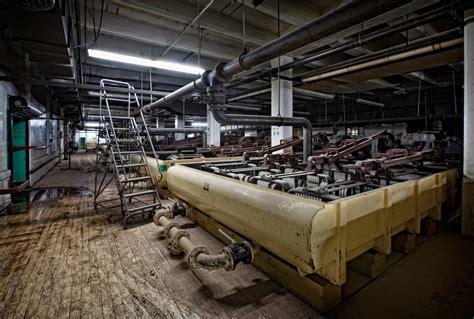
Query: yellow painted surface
x=315, y=237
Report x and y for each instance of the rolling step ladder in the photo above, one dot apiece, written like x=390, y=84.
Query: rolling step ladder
x=121, y=157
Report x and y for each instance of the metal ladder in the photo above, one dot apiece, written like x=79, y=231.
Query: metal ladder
x=124, y=154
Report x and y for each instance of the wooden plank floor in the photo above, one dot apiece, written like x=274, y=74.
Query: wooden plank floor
x=64, y=259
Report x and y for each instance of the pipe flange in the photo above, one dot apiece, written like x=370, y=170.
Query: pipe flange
x=193, y=255
x=169, y=226
x=218, y=73
x=164, y=211
x=241, y=60
x=236, y=253
x=174, y=247
x=204, y=78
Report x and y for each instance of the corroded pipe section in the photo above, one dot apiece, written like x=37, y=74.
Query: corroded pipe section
x=198, y=255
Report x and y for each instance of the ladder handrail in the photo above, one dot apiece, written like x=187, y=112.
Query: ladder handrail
x=145, y=126
x=125, y=129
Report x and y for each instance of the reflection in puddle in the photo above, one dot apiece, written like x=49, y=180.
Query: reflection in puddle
x=21, y=202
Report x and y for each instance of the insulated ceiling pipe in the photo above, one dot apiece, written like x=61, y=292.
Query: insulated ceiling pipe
x=166, y=130
x=380, y=34
x=386, y=57
x=351, y=12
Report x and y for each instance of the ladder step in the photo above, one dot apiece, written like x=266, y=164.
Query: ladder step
x=126, y=140
x=136, y=179
x=152, y=206
x=147, y=192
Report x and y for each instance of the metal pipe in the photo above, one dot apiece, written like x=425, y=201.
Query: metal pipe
x=351, y=12
x=296, y=90
x=250, y=94
x=164, y=131
x=187, y=27
x=240, y=119
x=387, y=59
x=388, y=31
x=197, y=255
x=244, y=108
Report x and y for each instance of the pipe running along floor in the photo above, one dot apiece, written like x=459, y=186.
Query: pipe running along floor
x=63, y=259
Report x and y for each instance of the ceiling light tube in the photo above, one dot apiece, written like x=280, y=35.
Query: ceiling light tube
x=369, y=103
x=177, y=67
x=312, y=93
x=198, y=124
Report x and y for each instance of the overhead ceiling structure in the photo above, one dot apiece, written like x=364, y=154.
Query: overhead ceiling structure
x=49, y=48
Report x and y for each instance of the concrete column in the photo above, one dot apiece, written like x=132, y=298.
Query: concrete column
x=160, y=123
x=213, y=130
x=179, y=123
x=282, y=101
x=468, y=161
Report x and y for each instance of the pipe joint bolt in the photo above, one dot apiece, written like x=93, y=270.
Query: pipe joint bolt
x=194, y=254
x=174, y=247
x=238, y=252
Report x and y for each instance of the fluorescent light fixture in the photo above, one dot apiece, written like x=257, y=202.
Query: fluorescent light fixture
x=92, y=124
x=200, y=124
x=316, y=94
x=370, y=103
x=177, y=67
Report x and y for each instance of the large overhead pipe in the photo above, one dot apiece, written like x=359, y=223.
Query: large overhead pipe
x=240, y=119
x=380, y=34
x=435, y=44
x=351, y=12
x=186, y=130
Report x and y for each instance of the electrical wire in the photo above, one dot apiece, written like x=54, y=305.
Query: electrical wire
x=95, y=31
x=279, y=61
x=244, y=32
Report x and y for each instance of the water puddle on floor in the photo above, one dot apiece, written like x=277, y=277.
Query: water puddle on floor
x=23, y=201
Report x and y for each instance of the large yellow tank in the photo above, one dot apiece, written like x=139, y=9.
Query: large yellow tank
x=313, y=236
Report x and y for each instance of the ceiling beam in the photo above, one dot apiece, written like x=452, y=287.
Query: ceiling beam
x=115, y=25
x=293, y=13
x=183, y=12
x=87, y=87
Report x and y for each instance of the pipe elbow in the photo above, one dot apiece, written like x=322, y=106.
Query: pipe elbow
x=220, y=117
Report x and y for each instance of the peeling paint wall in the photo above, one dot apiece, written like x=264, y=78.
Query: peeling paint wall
x=6, y=89
x=45, y=141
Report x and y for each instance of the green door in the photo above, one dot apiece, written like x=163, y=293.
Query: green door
x=82, y=143
x=19, y=149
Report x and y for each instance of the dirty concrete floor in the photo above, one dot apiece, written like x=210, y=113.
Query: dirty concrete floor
x=63, y=259
x=80, y=174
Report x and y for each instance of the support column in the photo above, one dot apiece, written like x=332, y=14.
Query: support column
x=213, y=130
x=160, y=123
x=282, y=101
x=468, y=157
x=179, y=123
